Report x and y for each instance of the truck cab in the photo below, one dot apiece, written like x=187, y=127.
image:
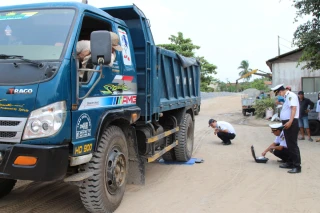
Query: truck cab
x=41, y=98
x=98, y=124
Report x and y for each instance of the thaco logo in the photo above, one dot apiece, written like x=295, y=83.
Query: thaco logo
x=13, y=91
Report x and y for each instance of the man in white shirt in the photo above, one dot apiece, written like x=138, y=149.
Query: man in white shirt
x=289, y=116
x=279, y=146
x=223, y=130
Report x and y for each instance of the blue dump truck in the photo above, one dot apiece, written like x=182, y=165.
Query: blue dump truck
x=96, y=131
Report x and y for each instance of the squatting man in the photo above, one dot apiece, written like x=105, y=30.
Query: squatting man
x=279, y=146
x=223, y=130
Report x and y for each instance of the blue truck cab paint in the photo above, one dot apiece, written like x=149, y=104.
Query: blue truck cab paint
x=85, y=121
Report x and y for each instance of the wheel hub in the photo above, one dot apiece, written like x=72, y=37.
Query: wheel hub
x=116, y=171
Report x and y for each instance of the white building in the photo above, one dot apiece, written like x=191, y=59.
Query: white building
x=285, y=71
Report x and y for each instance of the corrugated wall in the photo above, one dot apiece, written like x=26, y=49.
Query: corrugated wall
x=288, y=73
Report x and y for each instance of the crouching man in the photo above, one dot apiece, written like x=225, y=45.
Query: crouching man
x=279, y=146
x=223, y=130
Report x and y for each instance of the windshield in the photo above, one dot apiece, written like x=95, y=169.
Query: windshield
x=35, y=34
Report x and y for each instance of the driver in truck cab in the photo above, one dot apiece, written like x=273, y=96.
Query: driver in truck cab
x=84, y=50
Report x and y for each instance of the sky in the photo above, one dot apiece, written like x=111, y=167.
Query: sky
x=227, y=31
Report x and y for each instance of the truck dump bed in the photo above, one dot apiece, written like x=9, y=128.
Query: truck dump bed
x=166, y=80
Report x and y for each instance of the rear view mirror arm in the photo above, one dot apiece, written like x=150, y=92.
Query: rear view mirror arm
x=95, y=83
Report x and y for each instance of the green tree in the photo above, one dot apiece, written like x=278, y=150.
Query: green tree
x=185, y=47
x=181, y=45
x=222, y=85
x=256, y=84
x=243, y=86
x=244, y=66
x=259, y=84
x=206, y=67
x=307, y=35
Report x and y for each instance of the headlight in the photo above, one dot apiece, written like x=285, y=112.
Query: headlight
x=45, y=121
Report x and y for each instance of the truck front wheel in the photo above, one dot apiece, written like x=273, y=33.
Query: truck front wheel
x=6, y=185
x=104, y=191
x=186, y=137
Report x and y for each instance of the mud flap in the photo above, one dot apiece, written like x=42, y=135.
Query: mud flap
x=136, y=162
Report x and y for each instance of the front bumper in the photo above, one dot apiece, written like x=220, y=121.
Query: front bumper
x=52, y=162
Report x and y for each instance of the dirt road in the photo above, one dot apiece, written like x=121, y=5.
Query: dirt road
x=228, y=181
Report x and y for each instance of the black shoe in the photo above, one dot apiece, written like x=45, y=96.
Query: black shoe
x=280, y=161
x=227, y=143
x=286, y=166
x=295, y=170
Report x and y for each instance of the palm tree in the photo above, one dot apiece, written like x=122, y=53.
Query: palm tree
x=244, y=65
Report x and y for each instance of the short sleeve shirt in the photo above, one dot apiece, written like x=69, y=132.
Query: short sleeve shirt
x=291, y=99
x=281, y=140
x=222, y=125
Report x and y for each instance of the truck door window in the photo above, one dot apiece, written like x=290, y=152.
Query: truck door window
x=126, y=54
x=89, y=25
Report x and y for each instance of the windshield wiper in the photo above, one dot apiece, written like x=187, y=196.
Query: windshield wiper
x=4, y=56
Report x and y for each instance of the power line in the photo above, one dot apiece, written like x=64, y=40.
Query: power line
x=285, y=39
x=279, y=44
x=286, y=47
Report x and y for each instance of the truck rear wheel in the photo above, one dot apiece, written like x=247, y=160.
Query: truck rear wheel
x=186, y=137
x=170, y=155
x=6, y=186
x=103, y=192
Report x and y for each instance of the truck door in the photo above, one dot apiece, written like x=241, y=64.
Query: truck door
x=86, y=112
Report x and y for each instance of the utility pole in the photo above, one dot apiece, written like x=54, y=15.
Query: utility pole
x=278, y=45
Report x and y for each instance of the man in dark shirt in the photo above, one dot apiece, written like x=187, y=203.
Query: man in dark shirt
x=303, y=115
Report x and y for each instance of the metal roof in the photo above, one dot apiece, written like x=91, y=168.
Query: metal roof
x=270, y=61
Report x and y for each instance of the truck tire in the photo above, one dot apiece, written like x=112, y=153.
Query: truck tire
x=169, y=156
x=6, y=186
x=184, y=149
x=103, y=192
x=314, y=126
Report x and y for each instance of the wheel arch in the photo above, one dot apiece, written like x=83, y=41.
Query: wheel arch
x=116, y=117
x=180, y=113
x=122, y=119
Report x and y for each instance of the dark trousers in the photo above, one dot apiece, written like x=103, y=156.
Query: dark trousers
x=291, y=136
x=282, y=154
x=226, y=137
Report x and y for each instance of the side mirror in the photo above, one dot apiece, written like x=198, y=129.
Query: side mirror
x=101, y=47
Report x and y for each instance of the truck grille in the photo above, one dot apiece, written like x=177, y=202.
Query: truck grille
x=9, y=123
x=8, y=134
x=11, y=129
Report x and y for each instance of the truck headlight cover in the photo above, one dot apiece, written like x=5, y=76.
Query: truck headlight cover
x=45, y=121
